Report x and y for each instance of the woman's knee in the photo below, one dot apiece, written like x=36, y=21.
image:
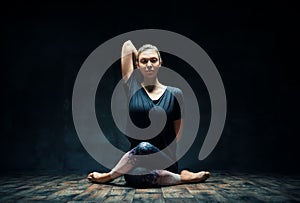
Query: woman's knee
x=145, y=145
x=144, y=148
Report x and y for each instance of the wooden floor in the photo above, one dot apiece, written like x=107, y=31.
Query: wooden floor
x=221, y=187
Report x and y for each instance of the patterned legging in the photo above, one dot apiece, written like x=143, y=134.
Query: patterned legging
x=148, y=178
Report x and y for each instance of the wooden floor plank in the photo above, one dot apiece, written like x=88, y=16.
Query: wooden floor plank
x=221, y=187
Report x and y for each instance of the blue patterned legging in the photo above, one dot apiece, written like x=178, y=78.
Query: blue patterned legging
x=148, y=178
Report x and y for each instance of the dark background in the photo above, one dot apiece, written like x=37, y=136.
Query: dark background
x=253, y=45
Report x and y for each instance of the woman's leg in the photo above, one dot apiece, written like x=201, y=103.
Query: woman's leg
x=130, y=161
x=153, y=178
x=157, y=178
x=168, y=178
x=126, y=163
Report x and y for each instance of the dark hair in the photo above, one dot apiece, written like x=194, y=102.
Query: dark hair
x=148, y=47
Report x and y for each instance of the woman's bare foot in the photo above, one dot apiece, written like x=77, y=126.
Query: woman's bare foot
x=99, y=177
x=190, y=177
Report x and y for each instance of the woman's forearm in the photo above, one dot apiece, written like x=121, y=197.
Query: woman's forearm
x=128, y=56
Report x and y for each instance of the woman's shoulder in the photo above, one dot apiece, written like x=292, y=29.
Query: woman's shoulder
x=175, y=90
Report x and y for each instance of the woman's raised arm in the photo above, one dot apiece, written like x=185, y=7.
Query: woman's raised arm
x=128, y=57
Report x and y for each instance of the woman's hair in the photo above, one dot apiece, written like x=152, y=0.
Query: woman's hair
x=148, y=47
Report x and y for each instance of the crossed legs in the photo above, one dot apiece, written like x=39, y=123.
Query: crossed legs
x=153, y=178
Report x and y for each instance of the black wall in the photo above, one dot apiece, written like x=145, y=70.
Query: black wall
x=253, y=45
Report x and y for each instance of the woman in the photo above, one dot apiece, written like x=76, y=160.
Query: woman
x=146, y=92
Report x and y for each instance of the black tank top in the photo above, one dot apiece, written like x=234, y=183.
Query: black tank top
x=139, y=106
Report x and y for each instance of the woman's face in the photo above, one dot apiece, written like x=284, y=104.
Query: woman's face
x=149, y=63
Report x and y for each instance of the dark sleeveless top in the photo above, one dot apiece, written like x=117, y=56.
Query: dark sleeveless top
x=139, y=106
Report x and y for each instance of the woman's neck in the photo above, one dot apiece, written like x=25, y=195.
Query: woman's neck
x=151, y=84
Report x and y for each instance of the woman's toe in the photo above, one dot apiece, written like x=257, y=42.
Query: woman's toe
x=207, y=174
x=90, y=177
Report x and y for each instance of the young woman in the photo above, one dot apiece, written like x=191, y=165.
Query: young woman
x=146, y=92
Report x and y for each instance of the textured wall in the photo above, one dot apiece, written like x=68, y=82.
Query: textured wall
x=44, y=45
